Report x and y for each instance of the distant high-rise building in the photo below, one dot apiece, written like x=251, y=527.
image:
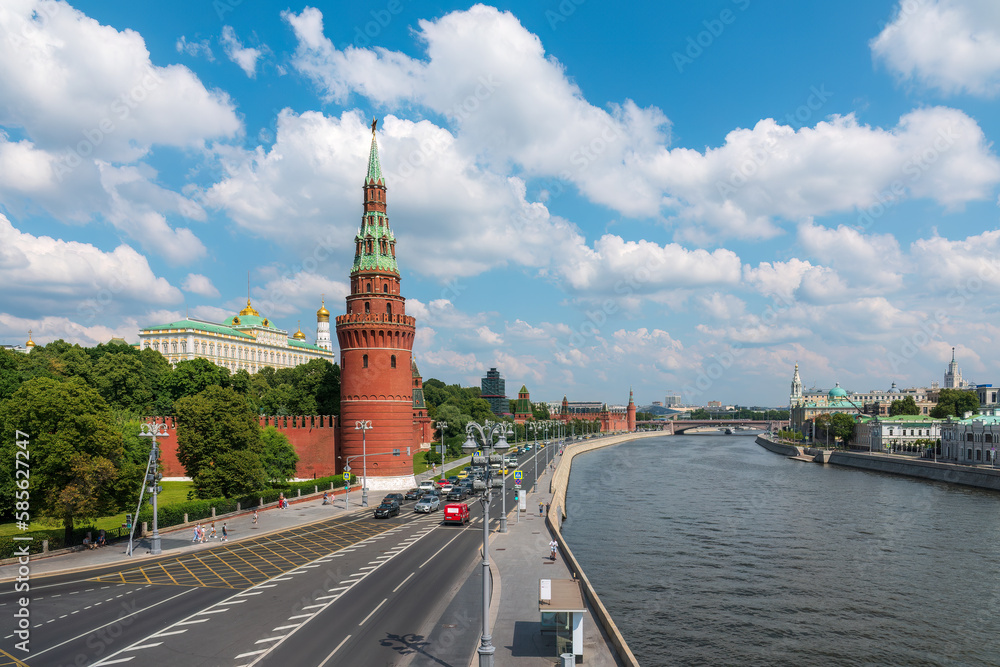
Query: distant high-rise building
x=493, y=391
x=953, y=376
x=671, y=400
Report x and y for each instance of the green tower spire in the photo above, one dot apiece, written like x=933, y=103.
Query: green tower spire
x=374, y=167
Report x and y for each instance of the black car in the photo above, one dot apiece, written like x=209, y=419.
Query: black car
x=458, y=493
x=398, y=497
x=387, y=509
x=413, y=494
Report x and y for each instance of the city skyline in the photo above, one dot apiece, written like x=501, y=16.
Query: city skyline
x=690, y=203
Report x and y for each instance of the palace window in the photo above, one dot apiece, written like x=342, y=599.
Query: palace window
x=364, y=361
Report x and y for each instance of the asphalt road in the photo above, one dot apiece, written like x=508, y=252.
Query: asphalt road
x=349, y=590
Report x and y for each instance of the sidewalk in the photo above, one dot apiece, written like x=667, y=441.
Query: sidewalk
x=306, y=509
x=522, y=557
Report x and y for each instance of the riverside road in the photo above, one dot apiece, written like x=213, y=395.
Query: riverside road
x=343, y=590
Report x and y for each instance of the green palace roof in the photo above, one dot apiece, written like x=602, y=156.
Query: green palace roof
x=201, y=326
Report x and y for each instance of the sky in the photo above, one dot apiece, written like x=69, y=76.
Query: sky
x=676, y=197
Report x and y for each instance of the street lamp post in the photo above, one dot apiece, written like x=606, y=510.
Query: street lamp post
x=153, y=431
x=442, y=425
x=363, y=425
x=487, y=433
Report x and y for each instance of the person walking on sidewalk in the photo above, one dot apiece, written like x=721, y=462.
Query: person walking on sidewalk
x=553, y=547
x=541, y=506
x=225, y=534
x=255, y=518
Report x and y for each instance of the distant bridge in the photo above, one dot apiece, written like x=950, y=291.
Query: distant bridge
x=678, y=426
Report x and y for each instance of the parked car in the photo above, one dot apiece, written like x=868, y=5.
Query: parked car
x=456, y=513
x=427, y=485
x=458, y=493
x=413, y=494
x=388, y=508
x=427, y=504
x=398, y=497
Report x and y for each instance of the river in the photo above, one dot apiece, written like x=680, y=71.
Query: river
x=710, y=550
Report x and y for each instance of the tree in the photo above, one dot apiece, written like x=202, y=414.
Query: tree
x=906, y=406
x=955, y=403
x=79, y=467
x=219, y=443
x=279, y=457
x=193, y=376
x=123, y=384
x=843, y=427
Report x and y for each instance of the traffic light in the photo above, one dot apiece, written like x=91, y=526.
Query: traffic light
x=151, y=480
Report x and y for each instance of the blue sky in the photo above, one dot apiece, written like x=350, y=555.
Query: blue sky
x=682, y=197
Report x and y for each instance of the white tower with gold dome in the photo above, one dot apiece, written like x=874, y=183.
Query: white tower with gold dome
x=323, y=328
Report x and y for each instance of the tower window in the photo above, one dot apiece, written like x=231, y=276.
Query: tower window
x=364, y=361
x=392, y=361
x=368, y=307
x=385, y=290
x=388, y=309
x=369, y=288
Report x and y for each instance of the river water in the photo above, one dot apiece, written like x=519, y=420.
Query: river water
x=710, y=550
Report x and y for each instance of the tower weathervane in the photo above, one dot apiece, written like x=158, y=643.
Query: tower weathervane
x=374, y=123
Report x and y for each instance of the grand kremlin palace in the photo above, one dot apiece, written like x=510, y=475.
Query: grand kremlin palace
x=244, y=341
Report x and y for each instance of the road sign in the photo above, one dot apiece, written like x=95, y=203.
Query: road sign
x=518, y=475
x=347, y=477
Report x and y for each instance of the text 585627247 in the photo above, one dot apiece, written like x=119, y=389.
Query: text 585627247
x=22, y=514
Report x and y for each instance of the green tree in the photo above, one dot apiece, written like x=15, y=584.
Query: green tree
x=905, y=406
x=700, y=413
x=122, y=383
x=79, y=466
x=843, y=427
x=193, y=376
x=219, y=443
x=955, y=403
x=279, y=457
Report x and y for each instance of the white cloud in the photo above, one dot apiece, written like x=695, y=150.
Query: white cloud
x=199, y=284
x=195, y=49
x=245, y=57
x=54, y=276
x=72, y=83
x=964, y=268
x=950, y=45
x=46, y=329
x=622, y=159
x=872, y=262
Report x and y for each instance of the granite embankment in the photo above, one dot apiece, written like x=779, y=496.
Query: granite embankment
x=556, y=514
x=983, y=477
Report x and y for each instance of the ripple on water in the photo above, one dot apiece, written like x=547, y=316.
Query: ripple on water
x=746, y=558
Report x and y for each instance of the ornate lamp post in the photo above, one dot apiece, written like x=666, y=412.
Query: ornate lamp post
x=442, y=425
x=152, y=431
x=363, y=425
x=487, y=433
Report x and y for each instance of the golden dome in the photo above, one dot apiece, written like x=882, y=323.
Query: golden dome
x=322, y=315
x=298, y=335
x=249, y=310
x=30, y=342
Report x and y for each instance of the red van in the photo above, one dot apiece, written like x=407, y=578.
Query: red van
x=456, y=513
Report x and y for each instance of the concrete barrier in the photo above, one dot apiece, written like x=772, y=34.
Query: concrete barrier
x=778, y=447
x=557, y=512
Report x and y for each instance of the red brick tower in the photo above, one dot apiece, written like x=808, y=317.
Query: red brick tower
x=631, y=412
x=376, y=343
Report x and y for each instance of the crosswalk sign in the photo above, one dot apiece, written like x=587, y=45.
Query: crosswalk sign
x=517, y=475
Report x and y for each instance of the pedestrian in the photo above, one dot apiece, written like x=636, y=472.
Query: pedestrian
x=225, y=534
x=553, y=546
x=195, y=538
x=212, y=536
x=255, y=518
x=326, y=498
x=541, y=506
x=546, y=508
x=204, y=534
x=281, y=501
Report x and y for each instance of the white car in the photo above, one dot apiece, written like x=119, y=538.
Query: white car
x=427, y=504
x=428, y=485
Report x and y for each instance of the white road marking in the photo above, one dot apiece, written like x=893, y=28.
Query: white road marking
x=373, y=611
x=172, y=632
x=142, y=646
x=269, y=639
x=403, y=582
x=334, y=651
x=247, y=655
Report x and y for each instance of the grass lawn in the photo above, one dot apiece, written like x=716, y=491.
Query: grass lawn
x=420, y=466
x=173, y=493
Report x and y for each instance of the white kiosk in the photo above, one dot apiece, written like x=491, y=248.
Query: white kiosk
x=560, y=602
